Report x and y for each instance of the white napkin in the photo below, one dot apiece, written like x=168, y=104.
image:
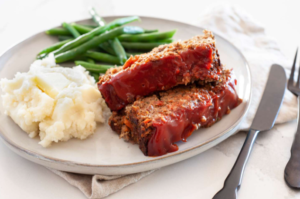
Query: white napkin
x=260, y=51
x=100, y=186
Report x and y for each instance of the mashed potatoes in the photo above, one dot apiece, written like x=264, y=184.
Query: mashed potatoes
x=56, y=103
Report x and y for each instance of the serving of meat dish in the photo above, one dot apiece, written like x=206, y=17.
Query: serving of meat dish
x=158, y=121
x=161, y=97
x=166, y=66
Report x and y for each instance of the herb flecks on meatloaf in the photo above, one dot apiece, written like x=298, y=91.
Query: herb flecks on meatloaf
x=165, y=67
x=158, y=121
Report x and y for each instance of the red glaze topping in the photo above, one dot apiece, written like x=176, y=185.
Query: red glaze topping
x=183, y=122
x=164, y=73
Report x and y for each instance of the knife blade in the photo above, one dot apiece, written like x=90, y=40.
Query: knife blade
x=271, y=100
x=264, y=119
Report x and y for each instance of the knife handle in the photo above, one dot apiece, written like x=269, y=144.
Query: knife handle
x=292, y=169
x=234, y=179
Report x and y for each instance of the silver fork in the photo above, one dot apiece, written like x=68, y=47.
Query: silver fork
x=292, y=169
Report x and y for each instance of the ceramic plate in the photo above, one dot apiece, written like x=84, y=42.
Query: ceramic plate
x=104, y=152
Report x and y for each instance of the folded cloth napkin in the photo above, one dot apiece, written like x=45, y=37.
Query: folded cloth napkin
x=260, y=51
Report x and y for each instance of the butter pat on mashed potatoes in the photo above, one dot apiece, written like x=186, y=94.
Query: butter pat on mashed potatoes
x=56, y=103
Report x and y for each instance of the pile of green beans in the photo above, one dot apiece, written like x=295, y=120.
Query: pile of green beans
x=101, y=45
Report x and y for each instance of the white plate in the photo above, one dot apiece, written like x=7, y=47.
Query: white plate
x=104, y=152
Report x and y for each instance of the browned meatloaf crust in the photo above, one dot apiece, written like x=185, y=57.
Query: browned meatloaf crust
x=158, y=121
x=165, y=67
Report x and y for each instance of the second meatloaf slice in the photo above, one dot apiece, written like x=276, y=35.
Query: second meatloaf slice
x=166, y=66
x=158, y=121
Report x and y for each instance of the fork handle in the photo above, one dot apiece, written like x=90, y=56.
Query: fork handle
x=292, y=169
x=234, y=179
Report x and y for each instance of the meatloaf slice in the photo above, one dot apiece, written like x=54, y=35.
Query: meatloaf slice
x=158, y=121
x=166, y=66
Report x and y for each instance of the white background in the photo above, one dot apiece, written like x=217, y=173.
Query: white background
x=198, y=177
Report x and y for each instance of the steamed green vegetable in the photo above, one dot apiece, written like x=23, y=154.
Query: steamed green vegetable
x=91, y=61
x=97, y=31
x=62, y=37
x=71, y=29
x=94, y=42
x=119, y=50
x=81, y=28
x=89, y=26
x=141, y=46
x=107, y=47
x=104, y=43
x=97, y=19
x=133, y=54
x=147, y=37
x=96, y=76
x=103, y=57
x=114, y=43
x=58, y=31
x=165, y=41
x=151, y=31
x=54, y=47
x=95, y=68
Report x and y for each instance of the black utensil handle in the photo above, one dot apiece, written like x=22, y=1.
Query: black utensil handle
x=292, y=169
x=234, y=179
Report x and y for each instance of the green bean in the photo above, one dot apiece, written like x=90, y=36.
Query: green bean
x=58, y=31
x=81, y=58
x=150, y=31
x=71, y=29
x=90, y=60
x=94, y=42
x=133, y=54
x=95, y=68
x=53, y=47
x=158, y=41
x=148, y=36
x=99, y=49
x=89, y=26
x=140, y=46
x=167, y=41
x=118, y=48
x=41, y=56
x=62, y=37
x=82, y=29
x=97, y=19
x=96, y=76
x=97, y=31
x=103, y=57
x=107, y=47
x=114, y=43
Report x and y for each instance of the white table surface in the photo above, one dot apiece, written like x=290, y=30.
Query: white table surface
x=199, y=177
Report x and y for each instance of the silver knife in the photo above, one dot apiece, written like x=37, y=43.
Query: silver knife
x=264, y=119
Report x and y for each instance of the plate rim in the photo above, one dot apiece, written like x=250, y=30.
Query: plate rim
x=169, y=155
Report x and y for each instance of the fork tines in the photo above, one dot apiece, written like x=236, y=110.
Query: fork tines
x=291, y=84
